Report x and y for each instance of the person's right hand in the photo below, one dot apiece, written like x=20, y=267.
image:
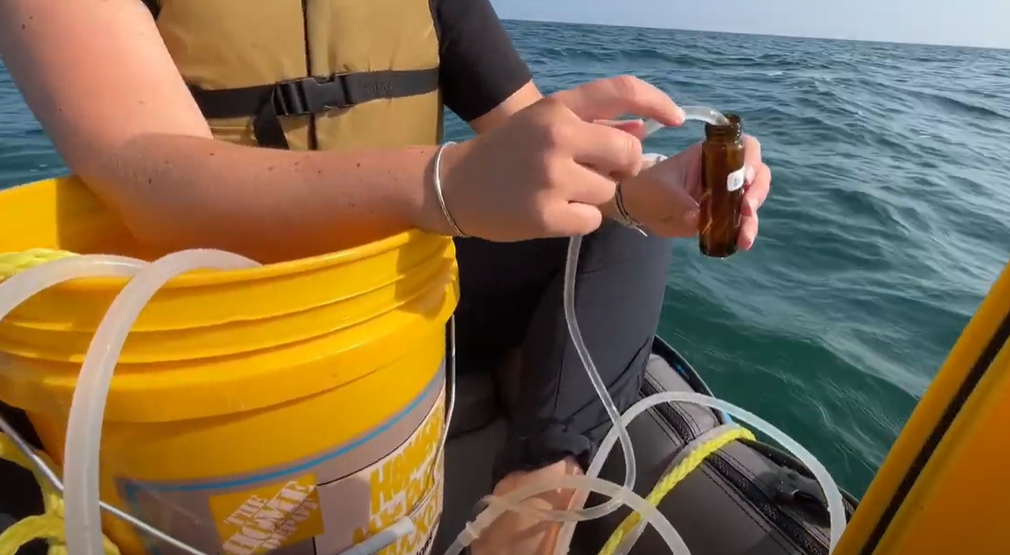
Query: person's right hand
x=545, y=171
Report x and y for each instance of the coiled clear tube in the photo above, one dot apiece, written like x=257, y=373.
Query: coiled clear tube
x=619, y=431
x=87, y=409
x=691, y=113
x=627, y=449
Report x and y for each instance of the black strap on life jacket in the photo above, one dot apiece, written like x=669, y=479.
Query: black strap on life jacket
x=266, y=104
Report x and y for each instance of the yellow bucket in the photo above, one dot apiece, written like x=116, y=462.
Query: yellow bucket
x=296, y=405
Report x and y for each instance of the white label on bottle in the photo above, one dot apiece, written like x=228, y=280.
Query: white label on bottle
x=735, y=180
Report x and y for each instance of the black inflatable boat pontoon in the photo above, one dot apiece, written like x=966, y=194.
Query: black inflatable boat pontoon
x=746, y=499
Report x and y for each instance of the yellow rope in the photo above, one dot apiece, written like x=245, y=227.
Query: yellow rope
x=49, y=525
x=670, y=480
x=14, y=262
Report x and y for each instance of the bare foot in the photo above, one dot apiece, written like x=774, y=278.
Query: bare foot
x=516, y=534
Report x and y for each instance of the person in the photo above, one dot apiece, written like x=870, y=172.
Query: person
x=290, y=129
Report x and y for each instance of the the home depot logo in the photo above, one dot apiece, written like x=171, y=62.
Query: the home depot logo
x=408, y=482
x=258, y=521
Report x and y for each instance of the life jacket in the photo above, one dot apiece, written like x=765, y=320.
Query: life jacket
x=309, y=74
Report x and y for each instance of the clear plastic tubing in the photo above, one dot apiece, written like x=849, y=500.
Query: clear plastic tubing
x=691, y=113
x=631, y=469
x=627, y=449
x=87, y=410
x=19, y=287
x=619, y=431
x=512, y=501
x=836, y=509
x=22, y=285
x=699, y=113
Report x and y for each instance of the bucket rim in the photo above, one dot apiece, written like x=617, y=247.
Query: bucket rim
x=266, y=272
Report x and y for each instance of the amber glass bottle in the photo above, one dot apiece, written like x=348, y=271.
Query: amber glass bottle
x=722, y=177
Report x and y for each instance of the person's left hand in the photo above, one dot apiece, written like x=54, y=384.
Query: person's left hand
x=664, y=197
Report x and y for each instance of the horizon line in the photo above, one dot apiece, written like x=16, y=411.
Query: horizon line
x=774, y=35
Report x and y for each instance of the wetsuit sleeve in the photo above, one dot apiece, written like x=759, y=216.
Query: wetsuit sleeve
x=480, y=67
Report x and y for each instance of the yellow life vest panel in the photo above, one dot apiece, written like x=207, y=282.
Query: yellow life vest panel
x=309, y=74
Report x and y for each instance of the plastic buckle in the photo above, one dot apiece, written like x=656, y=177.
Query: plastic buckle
x=790, y=487
x=310, y=95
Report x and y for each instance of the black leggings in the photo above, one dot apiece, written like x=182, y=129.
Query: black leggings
x=512, y=298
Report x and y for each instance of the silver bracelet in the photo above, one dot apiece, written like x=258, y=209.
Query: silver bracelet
x=624, y=218
x=437, y=180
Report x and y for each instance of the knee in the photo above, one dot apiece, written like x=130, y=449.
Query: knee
x=543, y=449
x=614, y=244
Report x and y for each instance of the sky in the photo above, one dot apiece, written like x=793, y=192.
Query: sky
x=983, y=23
